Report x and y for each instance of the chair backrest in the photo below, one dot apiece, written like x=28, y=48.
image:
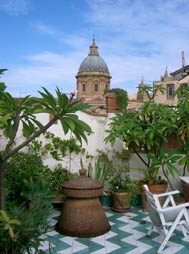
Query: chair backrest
x=153, y=207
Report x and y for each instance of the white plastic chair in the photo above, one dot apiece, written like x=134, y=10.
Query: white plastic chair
x=167, y=217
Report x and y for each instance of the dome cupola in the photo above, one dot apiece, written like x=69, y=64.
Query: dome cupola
x=93, y=62
x=93, y=77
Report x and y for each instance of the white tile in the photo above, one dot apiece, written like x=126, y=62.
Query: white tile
x=77, y=246
x=110, y=234
x=111, y=247
x=186, y=238
x=99, y=239
x=67, y=239
x=52, y=233
x=101, y=251
x=143, y=246
x=66, y=251
x=134, y=251
x=130, y=240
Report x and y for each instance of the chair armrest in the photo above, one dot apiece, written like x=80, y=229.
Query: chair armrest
x=168, y=193
x=172, y=208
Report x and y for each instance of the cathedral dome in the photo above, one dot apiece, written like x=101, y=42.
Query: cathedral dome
x=93, y=62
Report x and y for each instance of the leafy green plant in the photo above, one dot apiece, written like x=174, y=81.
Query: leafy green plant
x=14, y=112
x=24, y=225
x=182, y=111
x=101, y=169
x=20, y=168
x=144, y=131
x=58, y=176
x=55, y=147
x=124, y=183
x=166, y=161
x=122, y=97
x=7, y=226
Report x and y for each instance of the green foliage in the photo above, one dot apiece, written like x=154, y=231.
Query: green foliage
x=122, y=181
x=7, y=226
x=55, y=146
x=122, y=97
x=15, y=113
x=58, y=176
x=102, y=169
x=36, y=190
x=23, y=228
x=144, y=131
x=26, y=219
x=182, y=110
x=151, y=91
x=28, y=204
x=21, y=168
x=2, y=85
x=64, y=110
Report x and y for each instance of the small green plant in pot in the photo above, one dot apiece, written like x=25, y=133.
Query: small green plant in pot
x=124, y=189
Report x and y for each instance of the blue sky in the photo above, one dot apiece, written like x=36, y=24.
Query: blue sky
x=43, y=42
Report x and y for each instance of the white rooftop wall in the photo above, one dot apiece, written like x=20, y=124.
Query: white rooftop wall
x=96, y=142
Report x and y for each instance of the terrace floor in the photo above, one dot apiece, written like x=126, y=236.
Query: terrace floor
x=127, y=235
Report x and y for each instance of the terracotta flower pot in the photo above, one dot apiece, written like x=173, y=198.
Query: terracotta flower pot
x=121, y=202
x=155, y=189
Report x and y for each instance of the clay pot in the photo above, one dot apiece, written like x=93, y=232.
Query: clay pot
x=121, y=202
x=155, y=189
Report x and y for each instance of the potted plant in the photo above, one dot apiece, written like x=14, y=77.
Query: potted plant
x=144, y=131
x=124, y=189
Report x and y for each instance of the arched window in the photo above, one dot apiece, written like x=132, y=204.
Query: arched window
x=84, y=88
x=170, y=90
x=96, y=87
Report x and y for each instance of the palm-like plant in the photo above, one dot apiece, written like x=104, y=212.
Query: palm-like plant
x=22, y=113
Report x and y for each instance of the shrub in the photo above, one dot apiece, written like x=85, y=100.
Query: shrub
x=58, y=176
x=22, y=167
x=23, y=226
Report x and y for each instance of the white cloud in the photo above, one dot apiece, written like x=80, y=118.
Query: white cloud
x=136, y=38
x=71, y=40
x=46, y=69
x=141, y=38
x=15, y=7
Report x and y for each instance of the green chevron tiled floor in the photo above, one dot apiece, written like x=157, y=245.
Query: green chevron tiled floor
x=127, y=235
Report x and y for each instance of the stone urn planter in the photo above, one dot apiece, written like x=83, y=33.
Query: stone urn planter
x=82, y=214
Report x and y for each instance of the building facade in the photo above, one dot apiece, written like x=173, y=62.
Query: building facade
x=177, y=79
x=170, y=82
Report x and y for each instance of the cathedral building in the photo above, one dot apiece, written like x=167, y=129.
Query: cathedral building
x=93, y=77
